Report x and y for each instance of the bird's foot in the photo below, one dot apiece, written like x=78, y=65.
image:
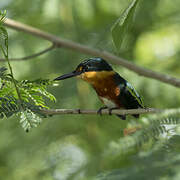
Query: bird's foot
x=110, y=110
x=100, y=110
x=123, y=117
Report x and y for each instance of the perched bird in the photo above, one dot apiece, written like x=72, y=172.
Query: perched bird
x=113, y=90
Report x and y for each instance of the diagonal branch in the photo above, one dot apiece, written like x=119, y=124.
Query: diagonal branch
x=116, y=111
x=33, y=55
x=93, y=52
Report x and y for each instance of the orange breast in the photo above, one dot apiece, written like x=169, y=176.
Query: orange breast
x=108, y=89
x=104, y=85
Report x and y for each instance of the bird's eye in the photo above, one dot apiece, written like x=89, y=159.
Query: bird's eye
x=80, y=69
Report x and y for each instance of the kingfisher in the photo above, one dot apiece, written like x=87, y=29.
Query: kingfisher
x=112, y=89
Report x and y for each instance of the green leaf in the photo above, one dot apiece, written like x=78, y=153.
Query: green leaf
x=4, y=41
x=150, y=129
x=122, y=24
x=8, y=106
x=28, y=120
x=2, y=16
x=36, y=90
x=2, y=71
x=3, y=35
x=33, y=98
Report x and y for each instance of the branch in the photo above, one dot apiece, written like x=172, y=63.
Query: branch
x=106, y=111
x=93, y=52
x=31, y=56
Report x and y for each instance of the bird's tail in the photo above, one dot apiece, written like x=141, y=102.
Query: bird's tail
x=136, y=115
x=123, y=117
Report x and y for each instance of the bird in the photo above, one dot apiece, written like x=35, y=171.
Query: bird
x=112, y=89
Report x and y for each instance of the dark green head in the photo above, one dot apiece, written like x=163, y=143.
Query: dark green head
x=94, y=64
x=89, y=65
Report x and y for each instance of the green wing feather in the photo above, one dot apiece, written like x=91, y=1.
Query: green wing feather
x=134, y=93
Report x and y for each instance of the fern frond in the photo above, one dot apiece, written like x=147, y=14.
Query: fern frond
x=32, y=99
x=36, y=88
x=154, y=129
x=29, y=119
x=8, y=106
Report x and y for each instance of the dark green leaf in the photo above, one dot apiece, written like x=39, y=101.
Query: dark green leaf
x=122, y=24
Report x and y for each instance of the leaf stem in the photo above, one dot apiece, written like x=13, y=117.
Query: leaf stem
x=6, y=55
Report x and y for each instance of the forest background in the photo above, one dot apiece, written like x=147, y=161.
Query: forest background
x=91, y=146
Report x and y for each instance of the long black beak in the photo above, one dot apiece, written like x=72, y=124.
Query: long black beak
x=69, y=75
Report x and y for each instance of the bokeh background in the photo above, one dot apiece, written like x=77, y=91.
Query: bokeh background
x=73, y=146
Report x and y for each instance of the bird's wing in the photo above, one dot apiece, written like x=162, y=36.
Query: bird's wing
x=133, y=92
x=128, y=96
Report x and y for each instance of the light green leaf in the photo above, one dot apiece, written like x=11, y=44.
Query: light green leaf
x=3, y=35
x=28, y=120
x=122, y=24
x=2, y=16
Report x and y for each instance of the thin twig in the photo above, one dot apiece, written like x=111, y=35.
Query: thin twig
x=31, y=56
x=116, y=111
x=93, y=52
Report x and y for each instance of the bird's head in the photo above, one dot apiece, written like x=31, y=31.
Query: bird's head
x=90, y=70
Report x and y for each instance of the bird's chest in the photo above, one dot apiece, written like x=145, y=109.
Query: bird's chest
x=108, y=93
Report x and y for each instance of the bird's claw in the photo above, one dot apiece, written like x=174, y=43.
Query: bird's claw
x=100, y=110
x=110, y=110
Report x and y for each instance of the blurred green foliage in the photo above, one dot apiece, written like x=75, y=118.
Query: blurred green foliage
x=87, y=146
x=121, y=26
